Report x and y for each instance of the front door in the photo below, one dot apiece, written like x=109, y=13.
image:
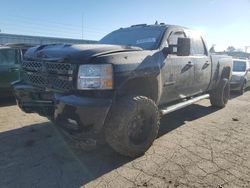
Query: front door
x=177, y=73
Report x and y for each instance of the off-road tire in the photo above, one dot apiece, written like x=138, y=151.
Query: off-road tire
x=219, y=96
x=132, y=125
x=242, y=88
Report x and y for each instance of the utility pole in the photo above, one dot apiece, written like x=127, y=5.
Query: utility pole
x=82, y=26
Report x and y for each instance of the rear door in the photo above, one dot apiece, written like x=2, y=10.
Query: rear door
x=9, y=67
x=201, y=61
x=177, y=73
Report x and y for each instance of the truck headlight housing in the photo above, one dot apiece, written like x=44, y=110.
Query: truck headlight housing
x=92, y=77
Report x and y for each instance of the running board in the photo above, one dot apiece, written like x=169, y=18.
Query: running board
x=184, y=104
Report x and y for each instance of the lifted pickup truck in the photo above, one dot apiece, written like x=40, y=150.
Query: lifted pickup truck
x=123, y=85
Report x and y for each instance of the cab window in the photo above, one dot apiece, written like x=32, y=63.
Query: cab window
x=197, y=44
x=173, y=38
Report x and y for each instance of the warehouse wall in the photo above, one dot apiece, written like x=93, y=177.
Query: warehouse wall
x=35, y=40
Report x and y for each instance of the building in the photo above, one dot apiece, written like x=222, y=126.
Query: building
x=236, y=54
x=244, y=55
x=37, y=40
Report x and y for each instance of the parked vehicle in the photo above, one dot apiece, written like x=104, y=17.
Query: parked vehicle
x=10, y=59
x=123, y=84
x=240, y=75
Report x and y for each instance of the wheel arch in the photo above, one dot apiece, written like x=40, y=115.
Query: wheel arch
x=145, y=86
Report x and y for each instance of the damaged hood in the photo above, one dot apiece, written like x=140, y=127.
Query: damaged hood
x=74, y=53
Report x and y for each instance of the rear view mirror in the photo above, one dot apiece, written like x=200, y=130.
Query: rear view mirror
x=183, y=46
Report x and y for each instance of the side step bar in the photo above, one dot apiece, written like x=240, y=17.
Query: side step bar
x=184, y=104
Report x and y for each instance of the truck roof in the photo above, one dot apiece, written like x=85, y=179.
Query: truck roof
x=4, y=47
x=19, y=45
x=155, y=25
x=15, y=46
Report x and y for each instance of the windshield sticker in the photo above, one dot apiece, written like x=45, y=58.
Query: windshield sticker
x=147, y=40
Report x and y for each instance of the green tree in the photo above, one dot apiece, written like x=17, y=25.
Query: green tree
x=231, y=49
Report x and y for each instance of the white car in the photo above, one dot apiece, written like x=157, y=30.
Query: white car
x=240, y=75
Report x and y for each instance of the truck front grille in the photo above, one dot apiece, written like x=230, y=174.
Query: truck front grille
x=51, y=75
x=49, y=67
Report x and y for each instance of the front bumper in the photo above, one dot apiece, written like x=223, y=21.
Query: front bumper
x=73, y=113
x=78, y=114
x=31, y=99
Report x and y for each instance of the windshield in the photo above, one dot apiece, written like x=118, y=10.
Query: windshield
x=147, y=38
x=239, y=66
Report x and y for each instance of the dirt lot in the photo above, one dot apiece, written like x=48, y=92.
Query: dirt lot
x=198, y=146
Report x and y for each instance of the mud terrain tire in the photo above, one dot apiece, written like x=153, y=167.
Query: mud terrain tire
x=242, y=88
x=219, y=96
x=132, y=126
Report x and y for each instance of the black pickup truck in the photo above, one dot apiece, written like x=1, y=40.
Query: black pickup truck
x=122, y=85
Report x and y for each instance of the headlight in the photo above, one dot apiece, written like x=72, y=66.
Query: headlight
x=95, y=77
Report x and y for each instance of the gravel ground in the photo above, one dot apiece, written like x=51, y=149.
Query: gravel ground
x=198, y=146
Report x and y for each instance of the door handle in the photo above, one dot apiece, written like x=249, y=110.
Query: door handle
x=207, y=63
x=187, y=67
x=190, y=64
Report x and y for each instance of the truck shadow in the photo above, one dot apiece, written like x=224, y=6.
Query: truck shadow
x=178, y=118
x=37, y=156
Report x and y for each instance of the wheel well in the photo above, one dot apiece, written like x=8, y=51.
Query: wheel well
x=141, y=86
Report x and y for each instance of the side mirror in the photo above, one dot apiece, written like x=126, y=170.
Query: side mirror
x=171, y=49
x=183, y=46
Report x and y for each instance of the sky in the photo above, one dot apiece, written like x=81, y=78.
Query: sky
x=221, y=22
